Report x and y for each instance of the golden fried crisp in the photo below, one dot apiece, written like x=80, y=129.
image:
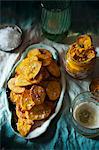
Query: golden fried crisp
x=84, y=41
x=39, y=112
x=45, y=73
x=45, y=57
x=38, y=94
x=21, y=81
x=45, y=54
x=24, y=126
x=26, y=103
x=15, y=97
x=46, y=62
x=33, y=69
x=13, y=87
x=33, y=58
x=91, y=53
x=74, y=48
x=21, y=113
x=37, y=79
x=22, y=65
x=53, y=90
x=33, y=52
x=81, y=54
x=28, y=68
x=54, y=69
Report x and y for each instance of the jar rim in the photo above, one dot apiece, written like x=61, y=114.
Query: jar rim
x=85, y=92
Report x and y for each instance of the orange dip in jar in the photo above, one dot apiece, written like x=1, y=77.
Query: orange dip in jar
x=80, y=57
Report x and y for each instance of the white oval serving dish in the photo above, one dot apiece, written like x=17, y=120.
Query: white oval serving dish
x=39, y=130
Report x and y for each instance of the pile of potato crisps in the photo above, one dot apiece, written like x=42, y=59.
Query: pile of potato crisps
x=34, y=88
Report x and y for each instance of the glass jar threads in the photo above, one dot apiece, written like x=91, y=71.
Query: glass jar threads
x=80, y=57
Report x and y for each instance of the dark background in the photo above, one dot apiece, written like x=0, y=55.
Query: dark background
x=85, y=14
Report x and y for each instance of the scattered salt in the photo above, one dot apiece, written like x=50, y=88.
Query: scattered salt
x=9, y=38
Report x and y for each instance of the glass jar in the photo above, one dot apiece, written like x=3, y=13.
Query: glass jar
x=78, y=70
x=55, y=18
x=84, y=113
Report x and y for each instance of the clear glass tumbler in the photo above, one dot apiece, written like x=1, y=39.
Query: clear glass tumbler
x=84, y=113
